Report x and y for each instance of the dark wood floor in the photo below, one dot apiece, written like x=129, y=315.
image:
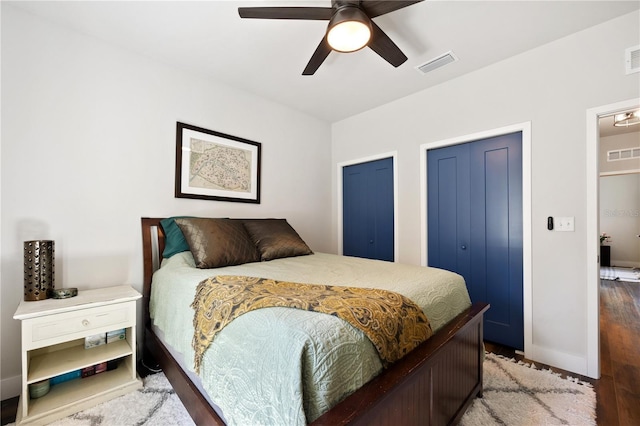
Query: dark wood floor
x=617, y=390
x=619, y=385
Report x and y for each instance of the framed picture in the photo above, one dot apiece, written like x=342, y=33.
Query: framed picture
x=214, y=166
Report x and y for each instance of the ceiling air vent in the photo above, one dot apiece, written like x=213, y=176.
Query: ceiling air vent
x=632, y=59
x=437, y=62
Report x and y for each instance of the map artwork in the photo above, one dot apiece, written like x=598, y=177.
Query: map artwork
x=216, y=166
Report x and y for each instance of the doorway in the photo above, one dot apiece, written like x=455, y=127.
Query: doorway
x=340, y=197
x=367, y=208
x=525, y=129
x=592, y=228
x=475, y=226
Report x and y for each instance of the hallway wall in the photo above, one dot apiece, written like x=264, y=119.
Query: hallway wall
x=620, y=217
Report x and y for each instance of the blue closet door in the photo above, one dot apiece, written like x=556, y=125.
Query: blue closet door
x=367, y=210
x=485, y=222
x=448, y=209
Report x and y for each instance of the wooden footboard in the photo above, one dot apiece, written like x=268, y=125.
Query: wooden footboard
x=433, y=385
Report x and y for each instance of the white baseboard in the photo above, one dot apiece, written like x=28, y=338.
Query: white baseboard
x=572, y=363
x=10, y=387
x=624, y=264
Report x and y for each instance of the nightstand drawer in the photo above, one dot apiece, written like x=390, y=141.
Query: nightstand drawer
x=82, y=322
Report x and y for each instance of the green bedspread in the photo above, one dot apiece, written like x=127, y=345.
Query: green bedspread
x=282, y=366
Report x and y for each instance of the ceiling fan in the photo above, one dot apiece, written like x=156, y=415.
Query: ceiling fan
x=350, y=27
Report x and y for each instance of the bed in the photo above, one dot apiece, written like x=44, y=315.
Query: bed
x=433, y=384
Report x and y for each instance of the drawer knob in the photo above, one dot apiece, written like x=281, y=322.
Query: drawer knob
x=85, y=322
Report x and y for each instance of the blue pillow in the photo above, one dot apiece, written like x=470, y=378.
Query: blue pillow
x=174, y=241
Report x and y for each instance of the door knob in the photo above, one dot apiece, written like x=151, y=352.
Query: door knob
x=463, y=247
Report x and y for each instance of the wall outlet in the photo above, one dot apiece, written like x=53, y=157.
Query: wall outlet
x=565, y=224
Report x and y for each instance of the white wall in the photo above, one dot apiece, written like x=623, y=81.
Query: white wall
x=620, y=217
x=88, y=147
x=551, y=86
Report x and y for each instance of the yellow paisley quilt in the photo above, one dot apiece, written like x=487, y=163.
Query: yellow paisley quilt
x=394, y=324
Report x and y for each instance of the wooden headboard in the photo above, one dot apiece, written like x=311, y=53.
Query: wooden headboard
x=152, y=248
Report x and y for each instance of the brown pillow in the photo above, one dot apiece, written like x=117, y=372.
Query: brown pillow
x=218, y=242
x=275, y=238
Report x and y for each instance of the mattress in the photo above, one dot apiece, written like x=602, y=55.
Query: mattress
x=288, y=366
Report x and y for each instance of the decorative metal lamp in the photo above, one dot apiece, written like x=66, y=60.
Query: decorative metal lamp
x=39, y=274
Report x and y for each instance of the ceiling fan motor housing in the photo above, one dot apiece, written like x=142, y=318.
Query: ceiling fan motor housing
x=354, y=23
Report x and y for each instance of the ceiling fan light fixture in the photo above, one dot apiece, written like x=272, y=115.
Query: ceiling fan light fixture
x=626, y=119
x=349, y=29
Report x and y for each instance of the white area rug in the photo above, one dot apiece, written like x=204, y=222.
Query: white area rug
x=620, y=274
x=516, y=393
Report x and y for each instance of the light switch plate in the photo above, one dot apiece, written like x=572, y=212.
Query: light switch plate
x=564, y=224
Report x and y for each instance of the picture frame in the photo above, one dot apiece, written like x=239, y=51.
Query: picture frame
x=215, y=166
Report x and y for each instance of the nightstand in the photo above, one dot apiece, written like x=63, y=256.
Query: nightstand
x=53, y=344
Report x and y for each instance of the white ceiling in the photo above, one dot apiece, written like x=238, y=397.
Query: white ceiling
x=266, y=57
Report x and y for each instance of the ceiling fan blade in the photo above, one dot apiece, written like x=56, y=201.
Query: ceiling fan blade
x=318, y=57
x=375, y=8
x=308, y=13
x=385, y=47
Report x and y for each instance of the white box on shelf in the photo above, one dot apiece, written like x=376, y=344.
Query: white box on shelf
x=115, y=335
